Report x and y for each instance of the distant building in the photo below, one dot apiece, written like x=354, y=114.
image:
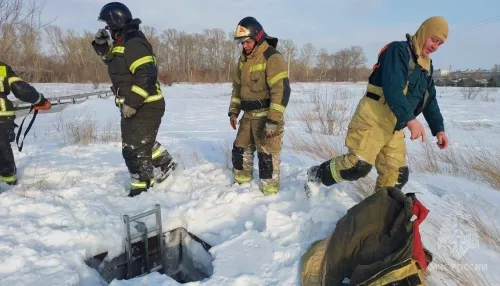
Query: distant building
x=469, y=82
x=441, y=73
x=494, y=81
x=444, y=82
x=474, y=74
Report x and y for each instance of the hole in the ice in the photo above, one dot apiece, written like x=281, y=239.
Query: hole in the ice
x=186, y=258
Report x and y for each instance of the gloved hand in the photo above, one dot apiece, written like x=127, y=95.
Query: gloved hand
x=233, y=120
x=100, y=42
x=101, y=37
x=44, y=104
x=128, y=111
x=271, y=128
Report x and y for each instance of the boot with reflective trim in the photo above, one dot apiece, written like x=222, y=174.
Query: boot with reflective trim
x=137, y=187
x=9, y=180
x=136, y=192
x=241, y=177
x=268, y=189
x=166, y=170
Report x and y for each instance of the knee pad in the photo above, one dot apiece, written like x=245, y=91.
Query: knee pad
x=265, y=166
x=128, y=153
x=404, y=174
x=237, y=157
x=356, y=172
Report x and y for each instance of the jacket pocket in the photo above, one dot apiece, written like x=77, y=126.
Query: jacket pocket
x=257, y=81
x=417, y=83
x=357, y=135
x=117, y=65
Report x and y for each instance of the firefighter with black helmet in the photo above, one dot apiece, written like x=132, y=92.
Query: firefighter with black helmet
x=133, y=72
x=261, y=89
x=10, y=82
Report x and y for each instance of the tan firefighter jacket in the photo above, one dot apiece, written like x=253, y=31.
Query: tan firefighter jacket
x=261, y=87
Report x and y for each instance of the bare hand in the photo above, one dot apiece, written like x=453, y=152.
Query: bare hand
x=443, y=140
x=233, y=120
x=416, y=130
x=271, y=129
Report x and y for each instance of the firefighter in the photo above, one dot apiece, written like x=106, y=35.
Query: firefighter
x=10, y=82
x=133, y=71
x=261, y=90
x=399, y=89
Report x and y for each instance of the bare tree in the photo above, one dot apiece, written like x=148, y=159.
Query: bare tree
x=19, y=20
x=357, y=60
x=307, y=55
x=231, y=55
x=152, y=36
x=496, y=69
x=470, y=92
x=324, y=61
x=347, y=62
x=289, y=50
x=209, y=56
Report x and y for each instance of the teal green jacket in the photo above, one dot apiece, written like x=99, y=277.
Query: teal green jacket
x=392, y=74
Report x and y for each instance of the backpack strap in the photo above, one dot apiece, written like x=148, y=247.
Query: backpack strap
x=411, y=68
x=411, y=62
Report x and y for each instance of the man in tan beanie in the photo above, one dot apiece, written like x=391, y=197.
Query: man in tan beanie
x=399, y=89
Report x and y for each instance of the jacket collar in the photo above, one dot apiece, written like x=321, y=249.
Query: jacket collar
x=423, y=62
x=258, y=50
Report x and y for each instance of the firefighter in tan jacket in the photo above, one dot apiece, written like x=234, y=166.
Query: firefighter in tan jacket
x=261, y=90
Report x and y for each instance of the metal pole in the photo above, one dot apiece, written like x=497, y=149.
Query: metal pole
x=161, y=243
x=139, y=216
x=128, y=246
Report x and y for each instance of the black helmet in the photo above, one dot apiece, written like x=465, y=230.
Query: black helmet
x=116, y=15
x=249, y=27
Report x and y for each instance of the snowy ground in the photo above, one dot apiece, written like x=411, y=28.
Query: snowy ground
x=70, y=198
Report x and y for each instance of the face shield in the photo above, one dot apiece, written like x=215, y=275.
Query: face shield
x=111, y=31
x=241, y=34
x=241, y=40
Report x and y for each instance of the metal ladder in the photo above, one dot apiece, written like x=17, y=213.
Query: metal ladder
x=143, y=233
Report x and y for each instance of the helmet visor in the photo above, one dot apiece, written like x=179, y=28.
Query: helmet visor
x=241, y=40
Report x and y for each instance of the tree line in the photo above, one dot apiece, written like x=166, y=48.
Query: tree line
x=43, y=52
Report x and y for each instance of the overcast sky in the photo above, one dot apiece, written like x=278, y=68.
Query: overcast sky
x=473, y=41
